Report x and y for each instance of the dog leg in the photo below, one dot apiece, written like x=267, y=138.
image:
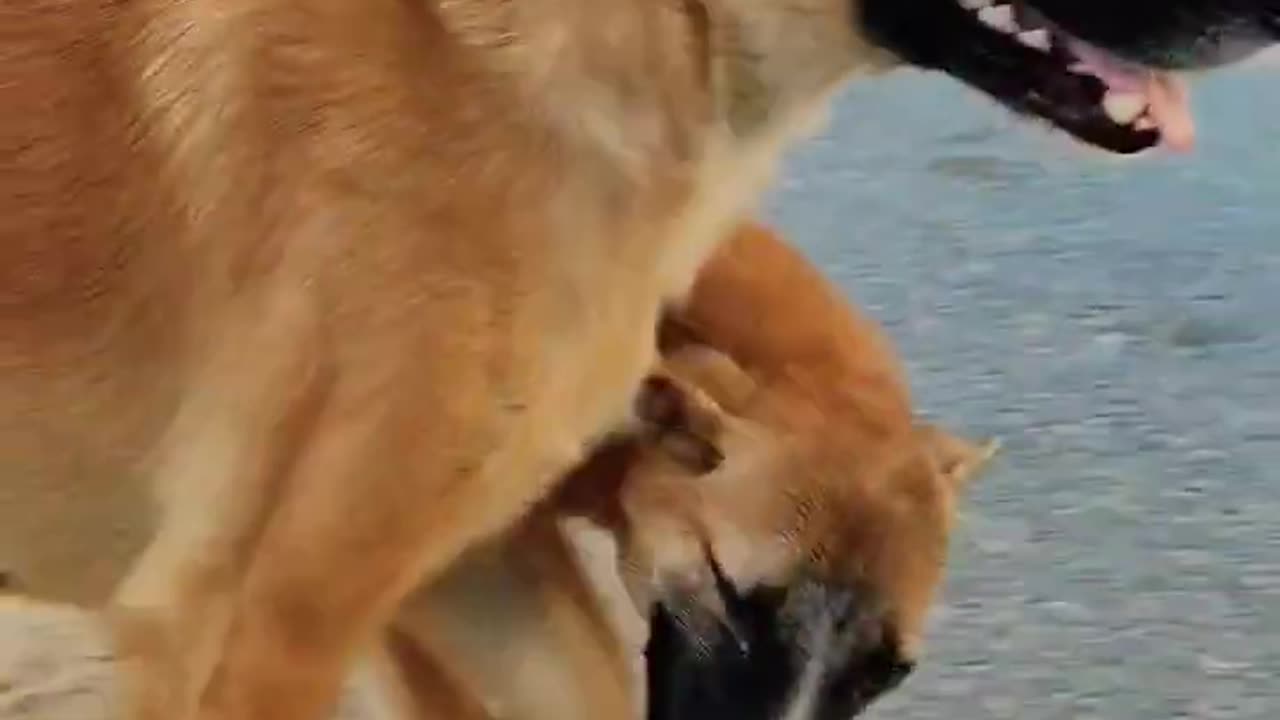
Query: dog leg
x=430, y=690
x=347, y=543
x=413, y=458
x=455, y=647
x=591, y=646
x=216, y=480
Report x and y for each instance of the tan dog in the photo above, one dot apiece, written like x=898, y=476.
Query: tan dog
x=341, y=288
x=831, y=495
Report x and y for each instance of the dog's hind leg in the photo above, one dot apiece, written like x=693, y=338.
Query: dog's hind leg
x=430, y=691
x=410, y=453
x=216, y=477
x=373, y=507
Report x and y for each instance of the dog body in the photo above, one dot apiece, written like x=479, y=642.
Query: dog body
x=299, y=277
x=341, y=288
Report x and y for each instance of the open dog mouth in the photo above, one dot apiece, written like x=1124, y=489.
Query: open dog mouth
x=1141, y=105
x=1019, y=57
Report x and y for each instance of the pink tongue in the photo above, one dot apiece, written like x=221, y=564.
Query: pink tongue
x=1170, y=110
x=1166, y=94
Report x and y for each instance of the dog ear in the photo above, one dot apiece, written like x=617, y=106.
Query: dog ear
x=958, y=458
x=713, y=372
x=675, y=417
x=684, y=420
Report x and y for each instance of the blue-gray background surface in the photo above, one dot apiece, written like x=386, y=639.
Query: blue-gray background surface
x=1116, y=324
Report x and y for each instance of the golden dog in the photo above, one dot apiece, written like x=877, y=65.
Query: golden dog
x=340, y=289
x=831, y=496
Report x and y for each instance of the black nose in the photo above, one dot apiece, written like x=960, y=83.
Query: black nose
x=810, y=645
x=848, y=690
x=1176, y=34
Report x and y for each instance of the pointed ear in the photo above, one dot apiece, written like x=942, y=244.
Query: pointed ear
x=959, y=459
x=683, y=420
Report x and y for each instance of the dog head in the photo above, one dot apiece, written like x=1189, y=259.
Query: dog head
x=1101, y=70
x=782, y=565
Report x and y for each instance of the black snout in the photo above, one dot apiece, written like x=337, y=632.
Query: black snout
x=1172, y=34
x=810, y=646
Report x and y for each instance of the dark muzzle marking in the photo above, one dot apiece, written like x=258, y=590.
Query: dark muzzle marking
x=752, y=667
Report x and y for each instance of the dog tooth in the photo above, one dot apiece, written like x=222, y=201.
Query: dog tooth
x=999, y=17
x=1145, y=123
x=1038, y=39
x=1122, y=107
x=974, y=5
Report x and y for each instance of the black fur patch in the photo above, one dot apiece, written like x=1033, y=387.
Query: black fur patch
x=753, y=668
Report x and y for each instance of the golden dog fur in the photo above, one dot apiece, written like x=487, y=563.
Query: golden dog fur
x=338, y=290
x=567, y=649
